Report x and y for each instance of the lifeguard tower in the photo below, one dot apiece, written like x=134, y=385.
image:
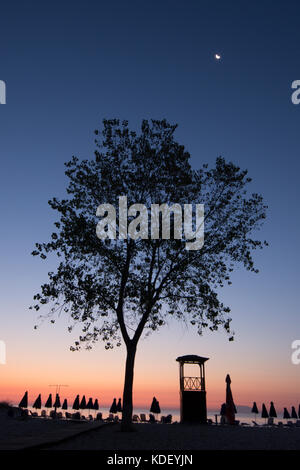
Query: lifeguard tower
x=192, y=391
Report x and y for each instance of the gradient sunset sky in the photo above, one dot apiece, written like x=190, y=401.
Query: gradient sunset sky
x=67, y=65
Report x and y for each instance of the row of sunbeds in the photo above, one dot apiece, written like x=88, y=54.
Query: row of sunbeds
x=99, y=417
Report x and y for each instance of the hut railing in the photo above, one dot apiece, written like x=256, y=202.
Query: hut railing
x=193, y=383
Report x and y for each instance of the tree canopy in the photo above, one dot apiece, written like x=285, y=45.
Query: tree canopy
x=118, y=288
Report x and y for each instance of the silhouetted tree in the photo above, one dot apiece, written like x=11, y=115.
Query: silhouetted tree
x=119, y=288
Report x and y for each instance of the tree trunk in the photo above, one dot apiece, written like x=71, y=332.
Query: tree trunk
x=128, y=386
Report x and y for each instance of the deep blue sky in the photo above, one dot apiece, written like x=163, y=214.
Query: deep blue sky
x=69, y=64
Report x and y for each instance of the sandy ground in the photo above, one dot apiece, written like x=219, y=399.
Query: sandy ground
x=16, y=434
x=184, y=437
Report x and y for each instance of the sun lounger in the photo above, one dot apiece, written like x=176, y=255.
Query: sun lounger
x=135, y=418
x=25, y=413
x=166, y=419
x=43, y=414
x=143, y=418
x=152, y=418
x=99, y=417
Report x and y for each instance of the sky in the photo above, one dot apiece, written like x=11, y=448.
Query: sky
x=67, y=66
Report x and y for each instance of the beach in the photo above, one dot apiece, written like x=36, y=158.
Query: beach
x=186, y=437
x=17, y=433
x=47, y=434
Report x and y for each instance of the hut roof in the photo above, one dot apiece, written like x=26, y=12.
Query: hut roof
x=192, y=359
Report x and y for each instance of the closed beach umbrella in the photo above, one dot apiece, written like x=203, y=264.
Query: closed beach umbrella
x=57, y=402
x=230, y=406
x=286, y=414
x=96, y=405
x=155, y=408
x=38, y=403
x=113, y=408
x=48, y=403
x=153, y=405
x=90, y=405
x=119, y=406
x=82, y=405
x=264, y=412
x=24, y=402
x=65, y=404
x=254, y=409
x=76, y=403
x=272, y=412
x=294, y=414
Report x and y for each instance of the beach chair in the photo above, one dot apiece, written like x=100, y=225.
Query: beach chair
x=135, y=419
x=168, y=419
x=68, y=415
x=116, y=419
x=152, y=418
x=59, y=415
x=99, y=416
x=76, y=415
x=43, y=414
x=270, y=421
x=25, y=413
x=110, y=417
x=143, y=418
x=91, y=418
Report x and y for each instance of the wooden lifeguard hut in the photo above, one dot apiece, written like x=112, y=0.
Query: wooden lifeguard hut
x=192, y=391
